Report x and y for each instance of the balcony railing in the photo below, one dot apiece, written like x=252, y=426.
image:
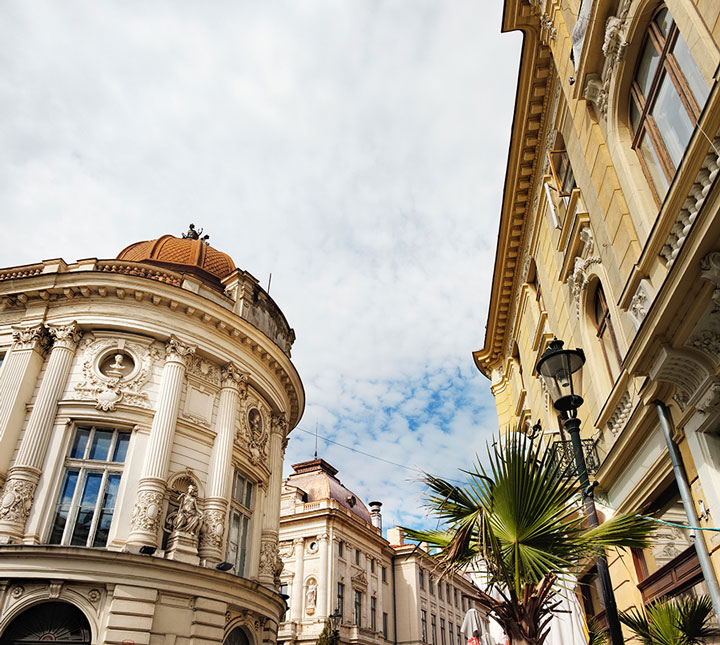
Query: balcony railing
x=562, y=452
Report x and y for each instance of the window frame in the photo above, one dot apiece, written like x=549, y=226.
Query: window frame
x=238, y=507
x=341, y=600
x=83, y=466
x=357, y=607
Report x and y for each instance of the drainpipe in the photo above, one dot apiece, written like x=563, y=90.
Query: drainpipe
x=700, y=547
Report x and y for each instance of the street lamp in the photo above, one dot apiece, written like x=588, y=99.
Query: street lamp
x=335, y=619
x=561, y=370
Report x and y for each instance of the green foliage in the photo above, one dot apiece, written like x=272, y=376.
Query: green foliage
x=326, y=635
x=521, y=513
x=596, y=636
x=679, y=621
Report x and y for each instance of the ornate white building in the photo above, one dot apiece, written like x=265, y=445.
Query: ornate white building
x=145, y=403
x=335, y=558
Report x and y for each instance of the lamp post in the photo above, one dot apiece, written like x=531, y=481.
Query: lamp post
x=561, y=370
x=335, y=619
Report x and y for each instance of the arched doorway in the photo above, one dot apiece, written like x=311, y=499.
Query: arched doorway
x=48, y=622
x=237, y=637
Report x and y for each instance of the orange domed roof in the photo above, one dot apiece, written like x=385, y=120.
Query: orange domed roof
x=189, y=254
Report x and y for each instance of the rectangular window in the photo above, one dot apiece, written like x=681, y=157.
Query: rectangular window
x=433, y=629
x=462, y=599
x=440, y=596
x=340, y=549
x=423, y=626
x=373, y=609
x=459, y=637
x=385, y=626
x=341, y=600
x=442, y=631
x=447, y=592
x=357, y=609
x=372, y=565
x=384, y=574
x=451, y=633
x=455, y=597
x=285, y=592
x=357, y=556
x=421, y=578
x=431, y=584
x=241, y=507
x=88, y=494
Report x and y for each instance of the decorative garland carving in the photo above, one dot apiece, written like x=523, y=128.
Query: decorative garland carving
x=17, y=500
x=146, y=512
x=212, y=533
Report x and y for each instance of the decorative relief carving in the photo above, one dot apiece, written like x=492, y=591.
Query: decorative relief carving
x=203, y=369
x=232, y=376
x=115, y=371
x=680, y=368
x=146, y=512
x=620, y=415
x=548, y=33
x=708, y=342
x=709, y=403
x=17, y=592
x=310, y=596
x=249, y=619
x=639, y=304
x=213, y=529
x=94, y=595
x=710, y=268
x=279, y=424
x=66, y=336
x=16, y=500
x=359, y=580
x=286, y=548
x=579, y=279
x=271, y=564
x=31, y=337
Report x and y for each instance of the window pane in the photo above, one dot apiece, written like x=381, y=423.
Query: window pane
x=248, y=495
x=672, y=120
x=106, y=513
x=691, y=71
x=81, y=531
x=647, y=150
x=663, y=21
x=121, y=447
x=63, y=507
x=634, y=115
x=647, y=67
x=101, y=445
x=79, y=443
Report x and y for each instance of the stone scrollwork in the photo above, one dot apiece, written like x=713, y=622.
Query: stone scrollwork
x=31, y=337
x=213, y=529
x=203, y=369
x=66, y=336
x=146, y=513
x=268, y=556
x=278, y=424
x=177, y=350
x=710, y=400
x=16, y=500
x=710, y=268
x=115, y=371
x=708, y=342
x=232, y=376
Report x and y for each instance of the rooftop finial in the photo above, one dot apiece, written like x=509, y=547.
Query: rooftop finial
x=194, y=234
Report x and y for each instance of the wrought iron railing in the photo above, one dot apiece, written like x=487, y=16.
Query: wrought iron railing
x=562, y=452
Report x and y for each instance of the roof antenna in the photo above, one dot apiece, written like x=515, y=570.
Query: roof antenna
x=269, y=281
x=316, y=426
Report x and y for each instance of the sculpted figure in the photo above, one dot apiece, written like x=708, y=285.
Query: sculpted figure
x=311, y=595
x=189, y=517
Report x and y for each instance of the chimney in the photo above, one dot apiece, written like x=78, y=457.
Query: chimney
x=375, y=515
x=395, y=536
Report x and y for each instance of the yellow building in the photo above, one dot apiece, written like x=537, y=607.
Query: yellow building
x=610, y=240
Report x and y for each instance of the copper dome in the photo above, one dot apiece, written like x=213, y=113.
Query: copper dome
x=184, y=255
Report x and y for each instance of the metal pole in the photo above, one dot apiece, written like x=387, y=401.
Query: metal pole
x=700, y=547
x=572, y=425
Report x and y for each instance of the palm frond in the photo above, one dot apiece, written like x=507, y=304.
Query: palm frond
x=678, y=621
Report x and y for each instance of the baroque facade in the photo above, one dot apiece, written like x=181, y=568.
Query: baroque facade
x=610, y=240
x=336, y=559
x=145, y=403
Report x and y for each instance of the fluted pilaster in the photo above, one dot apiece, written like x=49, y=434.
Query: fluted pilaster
x=24, y=475
x=323, y=582
x=151, y=489
x=296, y=606
x=17, y=381
x=212, y=537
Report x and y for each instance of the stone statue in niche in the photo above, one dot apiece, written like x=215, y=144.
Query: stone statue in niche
x=189, y=517
x=311, y=596
x=255, y=423
x=256, y=445
x=117, y=365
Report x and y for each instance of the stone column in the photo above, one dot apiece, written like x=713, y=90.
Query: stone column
x=367, y=594
x=24, y=475
x=152, y=485
x=212, y=536
x=323, y=582
x=379, y=604
x=271, y=516
x=296, y=606
x=17, y=383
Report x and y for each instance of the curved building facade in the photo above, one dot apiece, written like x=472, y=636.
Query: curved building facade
x=145, y=403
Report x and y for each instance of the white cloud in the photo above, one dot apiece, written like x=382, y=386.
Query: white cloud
x=356, y=150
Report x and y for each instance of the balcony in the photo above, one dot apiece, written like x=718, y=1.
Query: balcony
x=562, y=452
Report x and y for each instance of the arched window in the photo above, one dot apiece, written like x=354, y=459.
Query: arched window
x=606, y=333
x=237, y=637
x=666, y=97
x=49, y=621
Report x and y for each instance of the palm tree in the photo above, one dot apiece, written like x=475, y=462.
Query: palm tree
x=680, y=621
x=522, y=515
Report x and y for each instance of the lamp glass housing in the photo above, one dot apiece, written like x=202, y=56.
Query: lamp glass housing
x=561, y=370
x=335, y=620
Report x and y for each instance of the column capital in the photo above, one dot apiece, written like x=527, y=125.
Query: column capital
x=323, y=537
x=178, y=351
x=233, y=377
x=299, y=540
x=278, y=424
x=35, y=337
x=66, y=336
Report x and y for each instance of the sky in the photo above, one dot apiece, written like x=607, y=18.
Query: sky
x=354, y=149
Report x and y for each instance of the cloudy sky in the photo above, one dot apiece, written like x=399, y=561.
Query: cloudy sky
x=355, y=149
